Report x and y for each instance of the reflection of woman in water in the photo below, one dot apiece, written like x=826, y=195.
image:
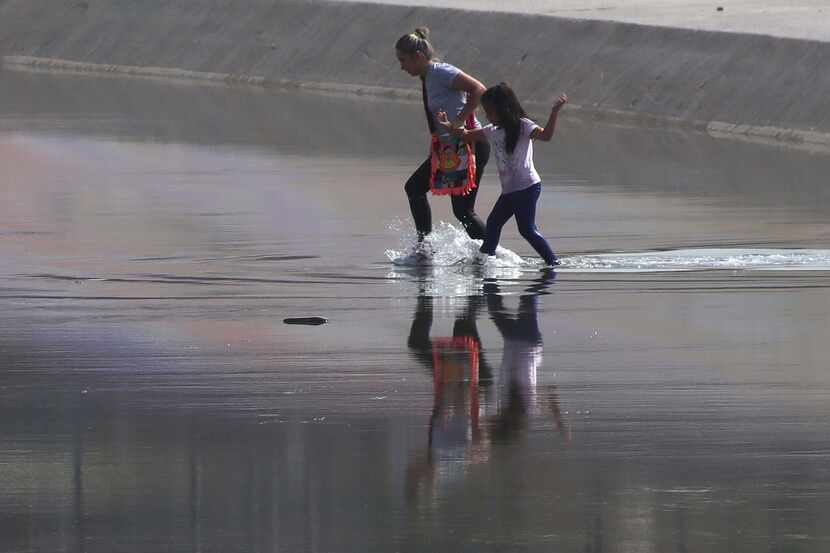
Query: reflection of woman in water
x=461, y=429
x=460, y=375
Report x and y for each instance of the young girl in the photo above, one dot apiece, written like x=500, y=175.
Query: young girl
x=510, y=134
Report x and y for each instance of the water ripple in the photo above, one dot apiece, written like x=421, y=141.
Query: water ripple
x=701, y=259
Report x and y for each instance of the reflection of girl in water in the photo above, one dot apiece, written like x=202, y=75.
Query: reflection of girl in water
x=516, y=378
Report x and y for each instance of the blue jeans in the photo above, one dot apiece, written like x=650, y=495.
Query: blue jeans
x=522, y=204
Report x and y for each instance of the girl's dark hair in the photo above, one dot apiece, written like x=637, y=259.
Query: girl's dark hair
x=503, y=101
x=416, y=41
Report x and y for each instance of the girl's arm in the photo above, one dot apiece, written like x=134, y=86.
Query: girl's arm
x=547, y=133
x=474, y=90
x=467, y=135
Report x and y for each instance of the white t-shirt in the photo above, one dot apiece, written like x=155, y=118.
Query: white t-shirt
x=516, y=170
x=517, y=375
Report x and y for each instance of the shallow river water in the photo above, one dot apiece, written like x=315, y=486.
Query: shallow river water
x=666, y=389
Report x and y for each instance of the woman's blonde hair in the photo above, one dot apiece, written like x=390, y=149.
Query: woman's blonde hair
x=416, y=41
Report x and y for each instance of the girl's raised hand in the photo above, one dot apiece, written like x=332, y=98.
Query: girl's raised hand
x=561, y=101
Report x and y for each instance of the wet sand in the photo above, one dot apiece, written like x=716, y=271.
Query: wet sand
x=153, y=237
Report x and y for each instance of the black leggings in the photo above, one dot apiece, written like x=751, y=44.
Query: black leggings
x=463, y=207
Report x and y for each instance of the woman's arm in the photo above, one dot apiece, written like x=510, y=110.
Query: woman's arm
x=547, y=133
x=474, y=90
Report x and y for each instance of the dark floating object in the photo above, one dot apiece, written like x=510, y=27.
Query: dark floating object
x=720, y=8
x=313, y=321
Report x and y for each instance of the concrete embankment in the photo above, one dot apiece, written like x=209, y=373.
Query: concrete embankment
x=761, y=86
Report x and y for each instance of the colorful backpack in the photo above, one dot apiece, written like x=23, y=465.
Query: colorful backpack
x=452, y=161
x=452, y=166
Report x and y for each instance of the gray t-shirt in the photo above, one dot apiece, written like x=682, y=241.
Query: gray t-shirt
x=516, y=170
x=440, y=95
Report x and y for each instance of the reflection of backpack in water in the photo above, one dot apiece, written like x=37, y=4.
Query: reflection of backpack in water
x=455, y=360
x=452, y=357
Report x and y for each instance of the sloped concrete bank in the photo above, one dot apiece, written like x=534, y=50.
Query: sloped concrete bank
x=756, y=86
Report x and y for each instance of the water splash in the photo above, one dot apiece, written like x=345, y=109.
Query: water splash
x=700, y=259
x=448, y=246
x=448, y=264
x=456, y=266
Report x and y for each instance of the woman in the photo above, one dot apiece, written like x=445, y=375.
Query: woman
x=447, y=89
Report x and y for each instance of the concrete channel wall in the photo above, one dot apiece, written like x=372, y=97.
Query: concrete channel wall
x=772, y=88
